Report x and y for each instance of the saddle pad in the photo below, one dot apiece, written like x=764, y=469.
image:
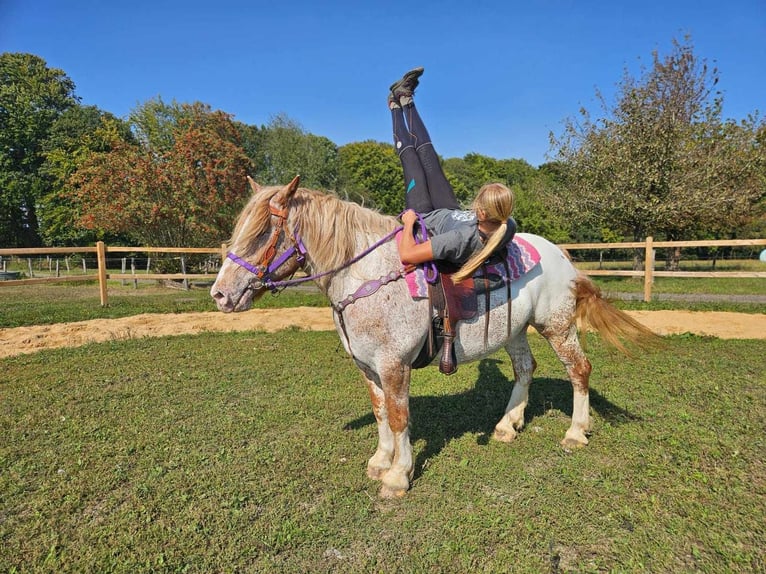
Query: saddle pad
x=522, y=258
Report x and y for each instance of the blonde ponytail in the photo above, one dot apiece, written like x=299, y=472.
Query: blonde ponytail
x=475, y=261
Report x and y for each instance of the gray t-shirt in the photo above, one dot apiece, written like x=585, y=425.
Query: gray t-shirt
x=455, y=234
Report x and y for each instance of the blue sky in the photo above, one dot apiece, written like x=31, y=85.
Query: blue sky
x=500, y=75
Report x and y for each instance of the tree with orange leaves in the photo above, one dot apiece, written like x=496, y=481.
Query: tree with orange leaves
x=182, y=184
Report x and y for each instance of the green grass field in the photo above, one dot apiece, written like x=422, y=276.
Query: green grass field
x=246, y=452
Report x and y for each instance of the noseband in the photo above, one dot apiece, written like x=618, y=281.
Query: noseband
x=267, y=265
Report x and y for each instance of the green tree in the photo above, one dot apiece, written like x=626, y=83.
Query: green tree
x=661, y=162
x=370, y=172
x=32, y=97
x=155, y=122
x=289, y=151
x=252, y=141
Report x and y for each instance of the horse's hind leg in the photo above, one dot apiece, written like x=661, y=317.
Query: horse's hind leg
x=567, y=347
x=523, y=367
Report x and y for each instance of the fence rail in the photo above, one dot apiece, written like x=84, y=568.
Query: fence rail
x=103, y=275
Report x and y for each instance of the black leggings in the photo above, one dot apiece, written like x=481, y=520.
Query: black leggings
x=426, y=185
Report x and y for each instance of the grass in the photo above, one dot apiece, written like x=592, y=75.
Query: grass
x=686, y=264
x=246, y=452
x=59, y=303
x=687, y=285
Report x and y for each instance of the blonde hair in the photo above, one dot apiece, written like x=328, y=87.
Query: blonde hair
x=496, y=201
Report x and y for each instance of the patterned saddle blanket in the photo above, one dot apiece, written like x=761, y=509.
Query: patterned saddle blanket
x=521, y=258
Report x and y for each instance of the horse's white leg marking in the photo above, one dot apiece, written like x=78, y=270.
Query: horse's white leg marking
x=396, y=387
x=384, y=454
x=524, y=366
x=567, y=348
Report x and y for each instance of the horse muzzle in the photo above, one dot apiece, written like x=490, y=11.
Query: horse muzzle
x=229, y=301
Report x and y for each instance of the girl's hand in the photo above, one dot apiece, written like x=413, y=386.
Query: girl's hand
x=409, y=218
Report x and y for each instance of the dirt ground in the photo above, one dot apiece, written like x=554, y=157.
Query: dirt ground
x=31, y=339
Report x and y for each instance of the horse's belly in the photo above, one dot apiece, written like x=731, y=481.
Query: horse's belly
x=485, y=334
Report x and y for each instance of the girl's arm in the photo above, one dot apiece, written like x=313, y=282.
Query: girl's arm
x=411, y=253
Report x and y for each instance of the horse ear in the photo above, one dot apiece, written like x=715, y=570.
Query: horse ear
x=253, y=185
x=288, y=191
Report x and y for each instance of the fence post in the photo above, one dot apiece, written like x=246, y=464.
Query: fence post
x=648, y=269
x=224, y=251
x=183, y=270
x=101, y=257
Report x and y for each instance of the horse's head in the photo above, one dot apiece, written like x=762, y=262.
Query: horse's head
x=264, y=248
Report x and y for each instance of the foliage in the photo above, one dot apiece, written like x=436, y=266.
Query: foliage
x=289, y=151
x=182, y=185
x=32, y=97
x=662, y=162
x=252, y=141
x=370, y=171
x=155, y=122
x=75, y=134
x=214, y=453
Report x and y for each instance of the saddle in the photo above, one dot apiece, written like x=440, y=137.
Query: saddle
x=451, y=303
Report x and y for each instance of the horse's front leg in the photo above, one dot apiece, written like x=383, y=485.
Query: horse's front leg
x=392, y=462
x=384, y=454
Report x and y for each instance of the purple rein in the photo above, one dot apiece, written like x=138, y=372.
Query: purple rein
x=263, y=273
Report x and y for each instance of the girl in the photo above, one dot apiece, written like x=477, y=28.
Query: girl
x=458, y=237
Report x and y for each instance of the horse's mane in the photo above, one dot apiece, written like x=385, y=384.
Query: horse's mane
x=333, y=229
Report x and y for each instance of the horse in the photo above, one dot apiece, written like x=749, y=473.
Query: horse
x=348, y=250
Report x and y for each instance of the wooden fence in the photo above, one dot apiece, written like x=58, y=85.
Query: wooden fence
x=649, y=246
x=102, y=274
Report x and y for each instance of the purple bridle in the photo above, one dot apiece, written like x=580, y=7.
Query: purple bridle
x=263, y=272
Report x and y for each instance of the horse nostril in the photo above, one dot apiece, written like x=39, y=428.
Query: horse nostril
x=217, y=295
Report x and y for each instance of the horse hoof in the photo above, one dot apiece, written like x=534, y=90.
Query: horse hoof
x=571, y=442
x=504, y=435
x=376, y=472
x=395, y=485
x=387, y=493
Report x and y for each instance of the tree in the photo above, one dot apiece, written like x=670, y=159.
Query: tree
x=661, y=162
x=289, y=151
x=252, y=141
x=32, y=97
x=155, y=122
x=187, y=194
x=75, y=134
x=369, y=171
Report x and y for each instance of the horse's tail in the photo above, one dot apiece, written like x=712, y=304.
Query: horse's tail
x=615, y=326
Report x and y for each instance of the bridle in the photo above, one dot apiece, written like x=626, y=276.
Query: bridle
x=264, y=270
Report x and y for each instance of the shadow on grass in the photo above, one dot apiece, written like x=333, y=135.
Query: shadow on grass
x=438, y=419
